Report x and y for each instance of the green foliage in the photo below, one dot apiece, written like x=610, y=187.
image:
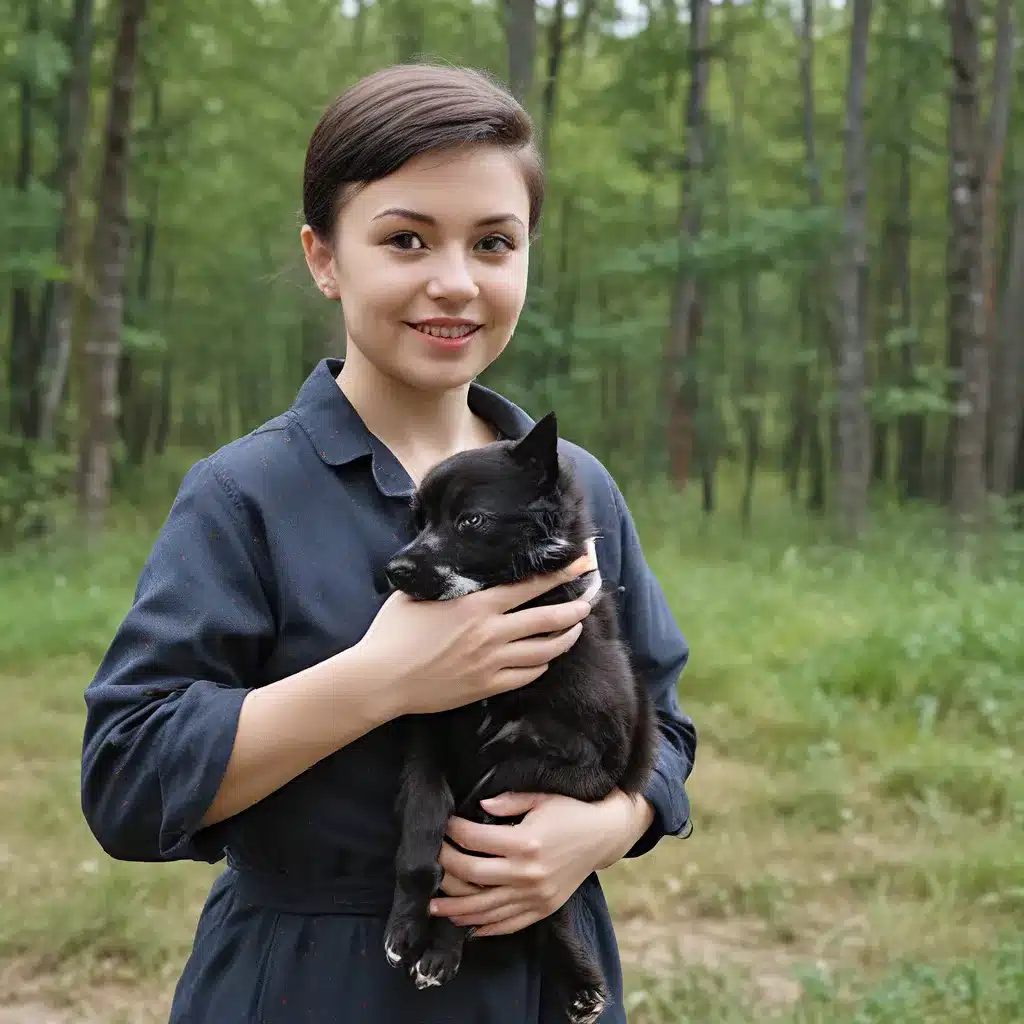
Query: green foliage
x=32, y=483
x=217, y=283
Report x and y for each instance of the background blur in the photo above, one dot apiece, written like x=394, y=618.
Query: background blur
x=778, y=289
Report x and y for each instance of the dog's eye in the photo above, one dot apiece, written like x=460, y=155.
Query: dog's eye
x=470, y=521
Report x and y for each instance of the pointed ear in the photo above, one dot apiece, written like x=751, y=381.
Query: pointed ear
x=538, y=450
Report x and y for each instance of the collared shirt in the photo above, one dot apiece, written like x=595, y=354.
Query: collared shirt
x=269, y=562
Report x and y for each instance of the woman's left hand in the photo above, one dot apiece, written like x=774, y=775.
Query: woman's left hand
x=536, y=865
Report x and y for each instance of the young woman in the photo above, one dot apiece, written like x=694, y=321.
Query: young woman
x=246, y=707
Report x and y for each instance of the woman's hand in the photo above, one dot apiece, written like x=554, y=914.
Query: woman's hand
x=436, y=655
x=536, y=865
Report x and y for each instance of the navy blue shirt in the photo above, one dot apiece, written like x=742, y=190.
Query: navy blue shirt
x=269, y=562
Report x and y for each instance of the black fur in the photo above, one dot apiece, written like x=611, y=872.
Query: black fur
x=496, y=515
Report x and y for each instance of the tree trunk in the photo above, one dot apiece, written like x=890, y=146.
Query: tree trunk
x=556, y=39
x=1008, y=394
x=966, y=303
x=23, y=375
x=747, y=288
x=817, y=321
x=54, y=330
x=992, y=162
x=74, y=123
x=853, y=426
x=136, y=418
x=521, y=38
x=103, y=349
x=911, y=424
x=680, y=394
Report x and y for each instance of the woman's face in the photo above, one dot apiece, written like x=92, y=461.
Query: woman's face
x=430, y=265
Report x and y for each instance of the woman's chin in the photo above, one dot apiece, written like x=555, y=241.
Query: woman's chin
x=431, y=369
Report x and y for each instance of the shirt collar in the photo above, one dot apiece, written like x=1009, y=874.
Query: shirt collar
x=339, y=435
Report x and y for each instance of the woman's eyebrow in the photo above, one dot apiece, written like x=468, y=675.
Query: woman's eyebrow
x=424, y=218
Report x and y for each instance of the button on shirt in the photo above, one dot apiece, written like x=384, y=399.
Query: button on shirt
x=270, y=561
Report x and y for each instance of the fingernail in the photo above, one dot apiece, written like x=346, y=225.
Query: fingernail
x=433, y=908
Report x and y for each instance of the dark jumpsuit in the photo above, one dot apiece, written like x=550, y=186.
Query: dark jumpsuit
x=269, y=561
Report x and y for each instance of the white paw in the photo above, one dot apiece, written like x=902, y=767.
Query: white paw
x=587, y=1007
x=394, y=958
x=423, y=980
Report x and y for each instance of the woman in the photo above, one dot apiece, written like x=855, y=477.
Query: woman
x=246, y=707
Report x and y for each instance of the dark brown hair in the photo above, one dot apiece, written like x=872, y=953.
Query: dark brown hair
x=395, y=114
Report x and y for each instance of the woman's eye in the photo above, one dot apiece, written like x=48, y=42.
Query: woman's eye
x=405, y=240
x=471, y=521
x=499, y=239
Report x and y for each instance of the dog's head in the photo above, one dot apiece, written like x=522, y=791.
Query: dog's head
x=492, y=515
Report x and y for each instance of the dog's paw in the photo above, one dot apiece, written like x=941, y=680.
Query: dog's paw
x=587, y=1006
x=403, y=941
x=435, y=967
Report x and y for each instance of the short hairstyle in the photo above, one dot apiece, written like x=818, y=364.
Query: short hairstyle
x=393, y=115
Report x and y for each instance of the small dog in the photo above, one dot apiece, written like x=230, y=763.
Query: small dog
x=485, y=517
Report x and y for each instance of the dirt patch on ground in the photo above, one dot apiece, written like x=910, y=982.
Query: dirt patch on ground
x=664, y=949
x=30, y=998
x=100, y=1006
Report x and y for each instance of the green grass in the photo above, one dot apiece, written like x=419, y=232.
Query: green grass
x=858, y=796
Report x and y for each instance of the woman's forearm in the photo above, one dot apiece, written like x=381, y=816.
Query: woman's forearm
x=288, y=726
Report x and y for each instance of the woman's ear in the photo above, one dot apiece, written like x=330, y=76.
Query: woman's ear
x=320, y=260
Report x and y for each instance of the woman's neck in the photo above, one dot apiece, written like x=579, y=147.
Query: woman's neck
x=420, y=428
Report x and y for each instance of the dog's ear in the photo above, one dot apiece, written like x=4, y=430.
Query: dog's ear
x=538, y=450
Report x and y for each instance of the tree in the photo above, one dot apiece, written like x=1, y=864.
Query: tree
x=853, y=422
x=966, y=300
x=110, y=248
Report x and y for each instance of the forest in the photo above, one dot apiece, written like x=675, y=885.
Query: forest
x=778, y=289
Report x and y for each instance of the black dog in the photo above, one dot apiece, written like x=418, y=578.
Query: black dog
x=485, y=517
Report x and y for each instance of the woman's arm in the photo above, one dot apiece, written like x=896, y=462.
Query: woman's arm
x=288, y=726
x=164, y=705
x=659, y=653
x=177, y=739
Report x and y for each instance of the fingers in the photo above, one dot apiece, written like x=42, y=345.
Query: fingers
x=456, y=887
x=513, y=678
x=511, y=595
x=552, y=618
x=499, y=840
x=495, y=916
x=509, y=925
x=486, y=901
x=531, y=653
x=479, y=871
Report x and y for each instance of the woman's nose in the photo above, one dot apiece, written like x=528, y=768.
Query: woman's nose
x=453, y=279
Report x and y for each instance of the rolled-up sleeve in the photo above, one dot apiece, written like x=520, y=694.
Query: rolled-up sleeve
x=659, y=652
x=163, y=707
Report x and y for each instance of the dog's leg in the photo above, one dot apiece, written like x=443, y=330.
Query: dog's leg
x=440, y=960
x=571, y=970
x=423, y=806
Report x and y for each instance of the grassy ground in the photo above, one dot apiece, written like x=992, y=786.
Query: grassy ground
x=858, y=797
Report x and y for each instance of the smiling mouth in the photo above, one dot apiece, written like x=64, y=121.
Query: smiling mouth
x=448, y=333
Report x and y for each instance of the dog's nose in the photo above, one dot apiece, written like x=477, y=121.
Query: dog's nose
x=401, y=573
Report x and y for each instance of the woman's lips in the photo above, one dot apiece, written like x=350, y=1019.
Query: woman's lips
x=446, y=337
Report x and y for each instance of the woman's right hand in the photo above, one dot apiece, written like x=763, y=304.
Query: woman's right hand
x=437, y=655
